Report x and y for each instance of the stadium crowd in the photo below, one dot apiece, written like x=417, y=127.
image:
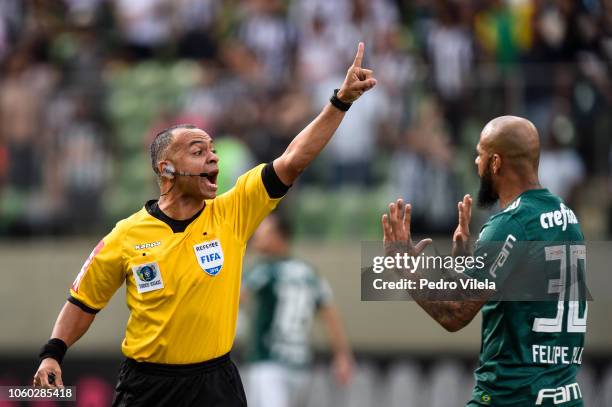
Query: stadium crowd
x=84, y=85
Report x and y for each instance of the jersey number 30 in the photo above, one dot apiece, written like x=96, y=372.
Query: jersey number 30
x=575, y=323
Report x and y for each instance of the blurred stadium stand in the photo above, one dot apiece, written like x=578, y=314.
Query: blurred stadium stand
x=84, y=85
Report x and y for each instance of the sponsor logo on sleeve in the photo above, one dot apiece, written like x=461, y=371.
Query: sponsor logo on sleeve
x=502, y=256
x=559, y=395
x=210, y=256
x=147, y=277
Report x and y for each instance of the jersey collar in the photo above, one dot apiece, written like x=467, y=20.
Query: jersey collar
x=177, y=226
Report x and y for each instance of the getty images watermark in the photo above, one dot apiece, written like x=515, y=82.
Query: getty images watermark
x=508, y=270
x=403, y=263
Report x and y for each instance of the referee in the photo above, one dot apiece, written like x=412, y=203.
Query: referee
x=181, y=259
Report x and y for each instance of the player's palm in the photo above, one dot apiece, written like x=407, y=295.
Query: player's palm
x=396, y=231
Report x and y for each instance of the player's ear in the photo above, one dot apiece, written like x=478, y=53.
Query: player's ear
x=495, y=163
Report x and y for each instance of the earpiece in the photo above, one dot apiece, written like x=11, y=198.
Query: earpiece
x=168, y=171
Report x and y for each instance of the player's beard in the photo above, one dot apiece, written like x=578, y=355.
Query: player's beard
x=487, y=196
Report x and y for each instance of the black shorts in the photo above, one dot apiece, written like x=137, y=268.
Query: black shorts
x=214, y=383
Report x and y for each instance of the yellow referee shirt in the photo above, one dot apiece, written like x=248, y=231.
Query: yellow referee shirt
x=182, y=286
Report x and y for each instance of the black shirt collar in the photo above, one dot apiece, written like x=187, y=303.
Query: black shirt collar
x=177, y=226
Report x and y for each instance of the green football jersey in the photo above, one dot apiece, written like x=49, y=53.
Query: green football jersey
x=533, y=329
x=287, y=294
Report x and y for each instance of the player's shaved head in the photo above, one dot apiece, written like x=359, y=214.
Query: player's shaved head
x=515, y=139
x=508, y=158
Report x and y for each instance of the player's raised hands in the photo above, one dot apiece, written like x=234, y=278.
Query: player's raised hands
x=461, y=237
x=358, y=80
x=396, y=231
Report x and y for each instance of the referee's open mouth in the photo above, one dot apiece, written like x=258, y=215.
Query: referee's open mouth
x=210, y=181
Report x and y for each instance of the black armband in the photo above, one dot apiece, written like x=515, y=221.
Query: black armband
x=84, y=307
x=337, y=103
x=274, y=186
x=55, y=349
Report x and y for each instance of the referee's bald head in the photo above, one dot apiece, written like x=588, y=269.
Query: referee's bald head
x=161, y=142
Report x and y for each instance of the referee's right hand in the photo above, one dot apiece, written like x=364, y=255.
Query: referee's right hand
x=48, y=375
x=358, y=80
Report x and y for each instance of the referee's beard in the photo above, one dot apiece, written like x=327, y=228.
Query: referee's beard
x=487, y=196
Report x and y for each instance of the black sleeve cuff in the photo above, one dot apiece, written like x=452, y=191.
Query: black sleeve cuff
x=82, y=306
x=274, y=186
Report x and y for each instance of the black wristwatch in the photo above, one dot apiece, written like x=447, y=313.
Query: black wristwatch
x=338, y=104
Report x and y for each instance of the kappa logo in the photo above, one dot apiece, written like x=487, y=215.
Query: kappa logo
x=147, y=245
x=210, y=256
x=147, y=277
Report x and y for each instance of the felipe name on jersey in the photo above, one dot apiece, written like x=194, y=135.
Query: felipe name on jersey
x=210, y=256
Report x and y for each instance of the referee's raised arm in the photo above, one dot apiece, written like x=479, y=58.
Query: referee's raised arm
x=310, y=141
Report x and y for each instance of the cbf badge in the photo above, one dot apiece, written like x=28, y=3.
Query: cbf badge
x=210, y=256
x=147, y=277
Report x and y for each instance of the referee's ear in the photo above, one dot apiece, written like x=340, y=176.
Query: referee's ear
x=165, y=169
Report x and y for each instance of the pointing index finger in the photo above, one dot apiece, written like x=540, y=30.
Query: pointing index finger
x=359, y=56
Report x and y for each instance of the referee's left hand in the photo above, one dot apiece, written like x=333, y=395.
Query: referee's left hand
x=358, y=80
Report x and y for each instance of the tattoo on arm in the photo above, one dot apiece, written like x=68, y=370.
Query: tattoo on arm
x=451, y=308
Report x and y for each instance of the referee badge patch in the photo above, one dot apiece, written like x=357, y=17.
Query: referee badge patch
x=147, y=277
x=210, y=256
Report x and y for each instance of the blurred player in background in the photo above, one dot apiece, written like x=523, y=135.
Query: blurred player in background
x=287, y=294
x=181, y=260
x=531, y=351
